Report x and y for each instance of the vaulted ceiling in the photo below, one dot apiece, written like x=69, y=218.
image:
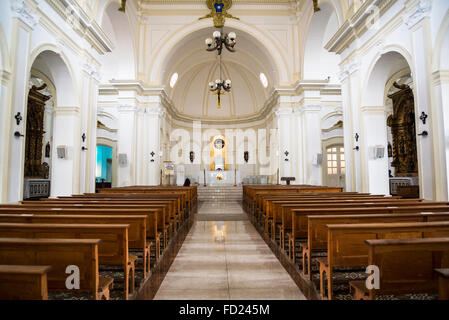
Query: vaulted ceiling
x=197, y=67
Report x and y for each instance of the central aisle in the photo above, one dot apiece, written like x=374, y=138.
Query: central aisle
x=224, y=260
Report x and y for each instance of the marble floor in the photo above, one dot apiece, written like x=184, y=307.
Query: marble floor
x=222, y=260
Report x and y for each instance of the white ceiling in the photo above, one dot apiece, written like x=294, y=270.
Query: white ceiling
x=197, y=67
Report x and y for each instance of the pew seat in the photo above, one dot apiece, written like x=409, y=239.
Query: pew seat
x=59, y=253
x=22, y=282
x=443, y=283
x=394, y=258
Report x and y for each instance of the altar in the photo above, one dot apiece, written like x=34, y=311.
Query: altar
x=220, y=178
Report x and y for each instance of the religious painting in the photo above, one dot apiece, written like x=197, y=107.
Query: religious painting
x=219, y=144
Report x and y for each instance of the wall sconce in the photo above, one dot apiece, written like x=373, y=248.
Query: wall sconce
x=18, y=118
x=246, y=156
x=423, y=117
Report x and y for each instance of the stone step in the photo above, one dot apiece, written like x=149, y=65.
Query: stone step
x=220, y=193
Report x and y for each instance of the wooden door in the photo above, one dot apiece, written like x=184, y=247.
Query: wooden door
x=335, y=166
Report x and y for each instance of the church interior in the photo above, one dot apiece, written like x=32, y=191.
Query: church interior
x=224, y=150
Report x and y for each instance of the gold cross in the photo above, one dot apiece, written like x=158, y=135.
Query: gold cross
x=219, y=94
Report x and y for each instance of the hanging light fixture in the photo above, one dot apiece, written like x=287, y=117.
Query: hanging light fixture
x=220, y=40
x=220, y=87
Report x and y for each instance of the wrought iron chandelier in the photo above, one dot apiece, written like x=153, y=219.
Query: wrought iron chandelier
x=220, y=40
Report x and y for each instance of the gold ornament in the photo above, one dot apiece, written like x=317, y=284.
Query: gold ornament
x=123, y=6
x=219, y=12
x=315, y=6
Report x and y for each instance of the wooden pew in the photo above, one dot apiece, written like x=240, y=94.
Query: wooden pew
x=151, y=214
x=299, y=213
x=184, y=192
x=346, y=243
x=274, y=221
x=405, y=266
x=250, y=193
x=317, y=230
x=298, y=217
x=112, y=250
x=137, y=238
x=167, y=218
x=59, y=253
x=173, y=202
x=443, y=283
x=267, y=200
x=19, y=282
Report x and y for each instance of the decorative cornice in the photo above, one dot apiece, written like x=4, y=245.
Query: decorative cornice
x=22, y=12
x=440, y=76
x=87, y=28
x=358, y=24
x=5, y=77
x=283, y=112
x=421, y=11
x=348, y=69
x=92, y=70
x=373, y=109
x=66, y=110
x=127, y=108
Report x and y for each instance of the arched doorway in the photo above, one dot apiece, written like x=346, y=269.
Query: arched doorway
x=47, y=171
x=388, y=137
x=402, y=149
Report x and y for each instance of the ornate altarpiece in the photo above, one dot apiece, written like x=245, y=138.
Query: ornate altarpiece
x=403, y=130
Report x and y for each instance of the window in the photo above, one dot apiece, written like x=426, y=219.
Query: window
x=174, y=79
x=336, y=160
x=264, y=80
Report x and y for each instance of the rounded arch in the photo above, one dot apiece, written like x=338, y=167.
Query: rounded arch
x=381, y=70
x=117, y=26
x=52, y=62
x=4, y=52
x=317, y=62
x=441, y=48
x=277, y=57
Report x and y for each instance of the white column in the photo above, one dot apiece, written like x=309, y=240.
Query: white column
x=350, y=90
x=5, y=122
x=285, y=141
x=375, y=133
x=88, y=127
x=23, y=24
x=312, y=146
x=65, y=172
x=154, y=144
x=142, y=158
x=127, y=144
x=428, y=164
x=441, y=91
x=299, y=157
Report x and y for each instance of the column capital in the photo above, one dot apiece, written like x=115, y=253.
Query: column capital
x=349, y=68
x=311, y=108
x=421, y=11
x=155, y=111
x=92, y=70
x=127, y=108
x=283, y=111
x=22, y=12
